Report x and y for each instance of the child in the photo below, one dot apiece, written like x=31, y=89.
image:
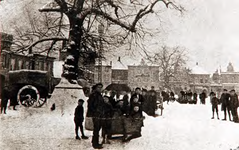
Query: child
x=79, y=118
x=136, y=116
x=214, y=102
x=134, y=102
x=107, y=120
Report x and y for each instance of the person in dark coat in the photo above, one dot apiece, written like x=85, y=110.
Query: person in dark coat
x=126, y=99
x=234, y=105
x=189, y=95
x=4, y=98
x=214, y=102
x=225, y=104
x=165, y=96
x=107, y=120
x=138, y=95
x=151, y=103
x=135, y=115
x=78, y=119
x=183, y=95
x=203, y=97
x=172, y=98
x=195, y=97
x=112, y=98
x=96, y=111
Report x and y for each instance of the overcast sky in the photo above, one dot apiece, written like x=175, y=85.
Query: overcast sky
x=208, y=29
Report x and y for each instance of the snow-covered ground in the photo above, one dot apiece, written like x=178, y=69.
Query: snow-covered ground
x=182, y=127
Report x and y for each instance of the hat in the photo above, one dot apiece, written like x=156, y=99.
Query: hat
x=81, y=100
x=137, y=88
x=232, y=90
x=99, y=84
x=106, y=96
x=144, y=90
x=224, y=89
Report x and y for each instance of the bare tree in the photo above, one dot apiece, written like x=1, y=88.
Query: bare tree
x=39, y=31
x=121, y=20
x=172, y=65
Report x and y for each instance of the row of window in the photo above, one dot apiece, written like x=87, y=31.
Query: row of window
x=15, y=62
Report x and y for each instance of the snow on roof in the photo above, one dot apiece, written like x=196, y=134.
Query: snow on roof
x=198, y=70
x=118, y=65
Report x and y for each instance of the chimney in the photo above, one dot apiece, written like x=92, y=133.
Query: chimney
x=119, y=59
x=197, y=63
x=110, y=63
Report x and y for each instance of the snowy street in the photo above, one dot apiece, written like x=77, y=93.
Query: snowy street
x=182, y=127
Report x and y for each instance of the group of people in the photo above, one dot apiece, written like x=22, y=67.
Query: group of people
x=192, y=97
x=103, y=107
x=229, y=104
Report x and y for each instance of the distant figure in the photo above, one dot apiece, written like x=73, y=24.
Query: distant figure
x=203, y=97
x=4, y=97
x=189, y=95
x=225, y=104
x=78, y=119
x=112, y=98
x=214, y=102
x=195, y=97
x=151, y=103
x=234, y=105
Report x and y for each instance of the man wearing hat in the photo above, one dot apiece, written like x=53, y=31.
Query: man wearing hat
x=78, y=119
x=96, y=111
x=234, y=105
x=225, y=104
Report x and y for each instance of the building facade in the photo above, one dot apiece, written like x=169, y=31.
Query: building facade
x=143, y=76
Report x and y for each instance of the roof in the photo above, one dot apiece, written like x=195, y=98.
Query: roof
x=118, y=65
x=198, y=70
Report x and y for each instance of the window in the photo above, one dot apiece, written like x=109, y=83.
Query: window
x=27, y=65
x=12, y=65
x=201, y=80
x=20, y=64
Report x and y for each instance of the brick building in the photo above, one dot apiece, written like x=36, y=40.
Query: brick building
x=143, y=76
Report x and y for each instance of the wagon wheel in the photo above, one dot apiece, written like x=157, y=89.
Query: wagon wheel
x=29, y=96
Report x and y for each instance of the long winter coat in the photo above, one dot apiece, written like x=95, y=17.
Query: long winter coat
x=95, y=105
x=234, y=101
x=225, y=101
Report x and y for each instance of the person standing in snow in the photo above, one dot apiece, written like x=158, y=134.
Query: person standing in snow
x=151, y=103
x=195, y=97
x=225, y=104
x=4, y=98
x=234, y=105
x=78, y=119
x=96, y=111
x=214, y=102
x=203, y=97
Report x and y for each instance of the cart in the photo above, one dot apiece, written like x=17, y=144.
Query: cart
x=30, y=88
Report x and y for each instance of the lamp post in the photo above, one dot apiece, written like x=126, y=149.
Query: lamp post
x=100, y=31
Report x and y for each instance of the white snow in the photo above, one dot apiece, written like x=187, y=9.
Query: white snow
x=182, y=127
